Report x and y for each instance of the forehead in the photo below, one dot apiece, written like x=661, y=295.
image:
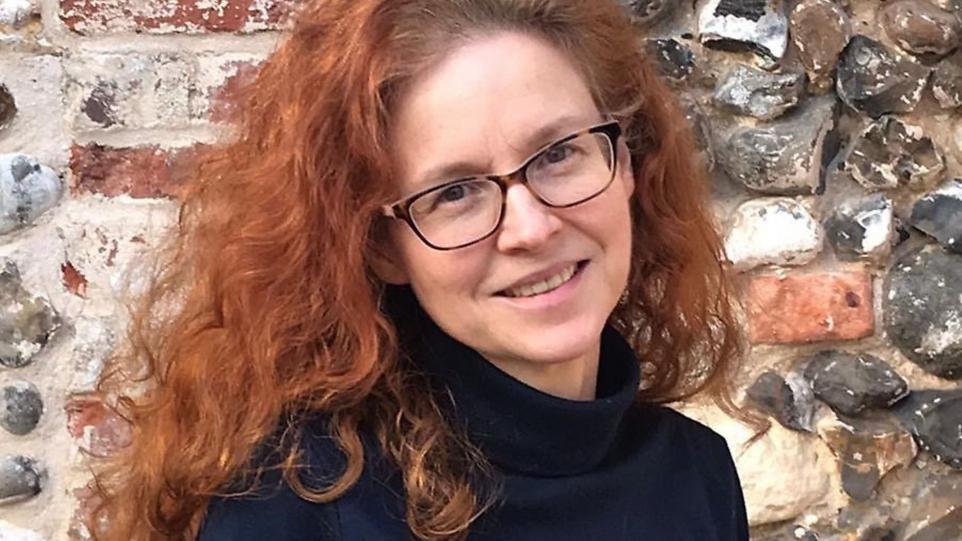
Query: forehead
x=482, y=104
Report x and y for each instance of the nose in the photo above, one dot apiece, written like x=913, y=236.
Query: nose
x=528, y=223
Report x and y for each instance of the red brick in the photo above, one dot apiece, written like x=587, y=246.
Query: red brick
x=148, y=171
x=174, y=16
x=97, y=429
x=811, y=307
x=73, y=280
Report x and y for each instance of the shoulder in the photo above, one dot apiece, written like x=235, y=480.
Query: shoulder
x=687, y=439
x=693, y=447
x=674, y=424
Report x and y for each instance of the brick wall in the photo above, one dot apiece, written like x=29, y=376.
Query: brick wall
x=102, y=104
x=833, y=161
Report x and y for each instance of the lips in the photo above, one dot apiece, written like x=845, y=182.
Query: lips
x=544, y=281
x=545, y=285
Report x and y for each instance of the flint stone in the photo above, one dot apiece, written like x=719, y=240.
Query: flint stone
x=19, y=479
x=851, y=383
x=889, y=153
x=20, y=407
x=861, y=228
x=789, y=400
x=757, y=93
x=920, y=27
x=756, y=25
x=819, y=29
x=649, y=12
x=9, y=532
x=27, y=190
x=776, y=231
x=939, y=215
x=14, y=13
x=100, y=105
x=879, y=519
x=787, y=156
x=935, y=418
x=8, y=107
x=933, y=490
x=922, y=309
x=26, y=322
x=947, y=527
x=875, y=80
x=947, y=82
x=701, y=127
x=867, y=449
x=673, y=59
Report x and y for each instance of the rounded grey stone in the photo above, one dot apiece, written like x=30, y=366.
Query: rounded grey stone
x=27, y=190
x=671, y=58
x=20, y=479
x=26, y=321
x=947, y=82
x=756, y=25
x=920, y=27
x=890, y=153
x=861, y=227
x=939, y=215
x=788, y=400
x=15, y=14
x=753, y=92
x=649, y=12
x=820, y=29
x=786, y=156
x=935, y=417
x=20, y=407
x=875, y=80
x=8, y=107
x=922, y=309
x=853, y=382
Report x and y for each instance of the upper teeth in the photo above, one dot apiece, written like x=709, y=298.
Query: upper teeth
x=544, y=285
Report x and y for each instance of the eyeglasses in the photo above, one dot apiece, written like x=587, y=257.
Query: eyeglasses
x=565, y=173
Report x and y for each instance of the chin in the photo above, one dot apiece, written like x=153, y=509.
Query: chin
x=562, y=343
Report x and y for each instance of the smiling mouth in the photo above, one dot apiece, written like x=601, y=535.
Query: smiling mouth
x=547, y=285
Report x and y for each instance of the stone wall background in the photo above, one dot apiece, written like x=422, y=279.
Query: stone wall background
x=834, y=136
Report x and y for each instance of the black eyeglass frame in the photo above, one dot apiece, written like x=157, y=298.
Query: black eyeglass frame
x=400, y=210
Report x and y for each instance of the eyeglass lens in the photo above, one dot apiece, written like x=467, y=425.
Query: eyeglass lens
x=564, y=174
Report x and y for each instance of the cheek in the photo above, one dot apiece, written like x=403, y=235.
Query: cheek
x=615, y=228
x=436, y=275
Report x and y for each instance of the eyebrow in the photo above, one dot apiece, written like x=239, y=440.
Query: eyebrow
x=547, y=133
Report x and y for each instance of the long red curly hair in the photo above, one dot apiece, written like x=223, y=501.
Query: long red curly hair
x=262, y=307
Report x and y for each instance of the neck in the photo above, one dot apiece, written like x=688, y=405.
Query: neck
x=575, y=379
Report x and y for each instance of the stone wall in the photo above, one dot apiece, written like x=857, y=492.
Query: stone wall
x=833, y=133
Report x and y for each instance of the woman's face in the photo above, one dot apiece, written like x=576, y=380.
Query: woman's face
x=485, y=109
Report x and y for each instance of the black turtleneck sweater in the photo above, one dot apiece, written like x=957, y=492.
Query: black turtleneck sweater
x=608, y=469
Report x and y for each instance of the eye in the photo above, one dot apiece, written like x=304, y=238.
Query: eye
x=557, y=153
x=456, y=196
x=451, y=194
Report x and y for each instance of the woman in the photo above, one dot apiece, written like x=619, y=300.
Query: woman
x=413, y=297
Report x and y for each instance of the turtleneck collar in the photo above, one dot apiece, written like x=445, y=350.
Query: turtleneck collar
x=520, y=428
